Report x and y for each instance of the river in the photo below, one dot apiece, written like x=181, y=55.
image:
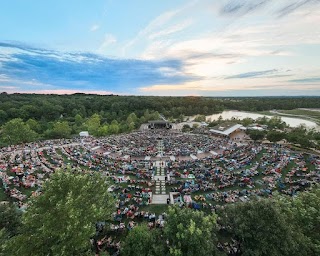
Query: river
x=291, y=121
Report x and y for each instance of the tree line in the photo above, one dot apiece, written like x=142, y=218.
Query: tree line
x=61, y=116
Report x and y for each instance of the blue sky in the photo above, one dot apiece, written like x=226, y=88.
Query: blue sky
x=167, y=47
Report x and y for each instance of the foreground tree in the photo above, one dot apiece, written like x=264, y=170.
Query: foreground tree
x=305, y=209
x=190, y=232
x=10, y=219
x=262, y=228
x=62, y=219
x=143, y=242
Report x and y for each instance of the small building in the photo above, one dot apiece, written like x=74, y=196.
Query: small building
x=159, y=124
x=228, y=130
x=257, y=127
x=84, y=134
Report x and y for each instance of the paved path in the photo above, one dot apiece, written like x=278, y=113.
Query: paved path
x=160, y=196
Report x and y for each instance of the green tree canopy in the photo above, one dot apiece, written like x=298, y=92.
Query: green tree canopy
x=275, y=136
x=3, y=116
x=78, y=119
x=275, y=122
x=306, y=214
x=62, y=219
x=256, y=134
x=61, y=130
x=186, y=128
x=34, y=125
x=10, y=219
x=247, y=121
x=262, y=228
x=16, y=131
x=114, y=127
x=200, y=118
x=190, y=232
x=93, y=124
x=143, y=242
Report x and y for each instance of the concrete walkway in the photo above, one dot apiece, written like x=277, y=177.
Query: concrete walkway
x=160, y=196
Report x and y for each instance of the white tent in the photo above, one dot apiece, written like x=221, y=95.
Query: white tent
x=84, y=134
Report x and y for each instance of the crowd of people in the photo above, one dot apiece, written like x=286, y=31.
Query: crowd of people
x=202, y=171
x=234, y=170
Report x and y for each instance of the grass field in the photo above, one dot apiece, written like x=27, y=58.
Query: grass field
x=303, y=112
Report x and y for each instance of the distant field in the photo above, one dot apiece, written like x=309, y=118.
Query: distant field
x=303, y=112
x=312, y=114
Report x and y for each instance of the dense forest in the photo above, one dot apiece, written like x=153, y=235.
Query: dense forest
x=35, y=116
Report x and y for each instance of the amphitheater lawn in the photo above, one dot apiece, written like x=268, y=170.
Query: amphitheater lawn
x=155, y=208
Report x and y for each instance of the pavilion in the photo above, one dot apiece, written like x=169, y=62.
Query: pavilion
x=159, y=124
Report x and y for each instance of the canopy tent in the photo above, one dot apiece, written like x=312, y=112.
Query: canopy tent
x=84, y=134
x=193, y=157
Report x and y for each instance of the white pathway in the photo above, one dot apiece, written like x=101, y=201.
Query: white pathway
x=160, y=196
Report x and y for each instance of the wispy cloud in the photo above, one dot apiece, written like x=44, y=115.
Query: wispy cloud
x=241, y=7
x=94, y=27
x=294, y=5
x=8, y=87
x=275, y=7
x=306, y=80
x=171, y=30
x=65, y=91
x=107, y=42
x=253, y=74
x=162, y=26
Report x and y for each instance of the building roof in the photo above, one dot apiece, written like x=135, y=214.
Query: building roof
x=159, y=122
x=226, y=130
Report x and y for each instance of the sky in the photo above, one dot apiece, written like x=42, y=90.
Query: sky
x=161, y=47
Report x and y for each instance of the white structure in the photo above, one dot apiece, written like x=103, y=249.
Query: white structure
x=227, y=130
x=84, y=134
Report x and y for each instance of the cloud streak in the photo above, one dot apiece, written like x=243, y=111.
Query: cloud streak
x=294, y=5
x=306, y=80
x=275, y=7
x=253, y=74
x=241, y=7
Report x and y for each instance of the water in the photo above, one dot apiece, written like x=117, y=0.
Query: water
x=291, y=121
